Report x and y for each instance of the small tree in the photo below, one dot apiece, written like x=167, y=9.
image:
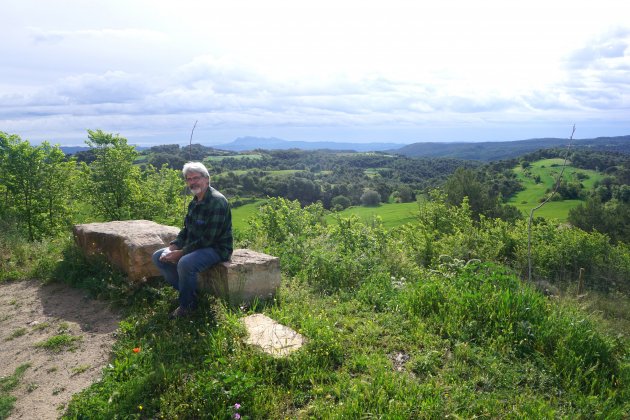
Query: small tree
x=37, y=185
x=340, y=202
x=370, y=198
x=113, y=179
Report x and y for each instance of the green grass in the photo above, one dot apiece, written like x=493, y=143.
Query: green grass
x=534, y=193
x=59, y=343
x=17, y=333
x=393, y=340
x=473, y=345
x=8, y=384
x=241, y=214
x=392, y=214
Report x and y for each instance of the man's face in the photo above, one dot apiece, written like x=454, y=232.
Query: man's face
x=197, y=182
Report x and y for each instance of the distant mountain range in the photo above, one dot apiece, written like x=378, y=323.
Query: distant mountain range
x=482, y=151
x=491, y=151
x=250, y=143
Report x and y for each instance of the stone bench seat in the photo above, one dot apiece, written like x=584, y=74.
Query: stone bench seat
x=129, y=245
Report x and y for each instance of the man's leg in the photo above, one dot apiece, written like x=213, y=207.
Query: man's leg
x=187, y=268
x=168, y=270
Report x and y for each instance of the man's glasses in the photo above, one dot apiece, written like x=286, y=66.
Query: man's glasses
x=193, y=178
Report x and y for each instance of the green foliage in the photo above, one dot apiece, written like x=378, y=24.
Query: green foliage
x=37, y=186
x=424, y=320
x=559, y=252
x=340, y=202
x=488, y=306
x=161, y=196
x=22, y=259
x=286, y=230
x=8, y=384
x=370, y=198
x=540, y=178
x=112, y=177
x=60, y=342
x=610, y=218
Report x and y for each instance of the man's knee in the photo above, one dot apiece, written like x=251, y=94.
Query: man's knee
x=156, y=256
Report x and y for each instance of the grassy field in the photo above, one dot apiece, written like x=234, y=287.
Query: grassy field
x=548, y=170
x=241, y=214
x=392, y=214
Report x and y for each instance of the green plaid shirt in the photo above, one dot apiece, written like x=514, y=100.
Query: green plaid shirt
x=208, y=224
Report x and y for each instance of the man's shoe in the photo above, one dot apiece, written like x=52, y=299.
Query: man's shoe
x=180, y=313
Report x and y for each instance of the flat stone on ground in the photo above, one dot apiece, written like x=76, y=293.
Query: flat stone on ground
x=272, y=337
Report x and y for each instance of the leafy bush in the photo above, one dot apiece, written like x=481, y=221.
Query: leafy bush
x=370, y=198
x=286, y=230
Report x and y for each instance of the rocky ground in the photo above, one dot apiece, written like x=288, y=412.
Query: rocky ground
x=32, y=314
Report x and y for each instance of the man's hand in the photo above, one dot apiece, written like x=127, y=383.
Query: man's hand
x=173, y=256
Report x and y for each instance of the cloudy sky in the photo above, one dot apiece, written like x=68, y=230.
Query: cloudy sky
x=344, y=70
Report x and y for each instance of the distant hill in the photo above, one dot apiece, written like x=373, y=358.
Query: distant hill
x=271, y=143
x=481, y=151
x=490, y=151
x=71, y=150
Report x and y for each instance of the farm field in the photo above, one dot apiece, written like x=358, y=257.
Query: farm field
x=241, y=214
x=392, y=214
x=533, y=194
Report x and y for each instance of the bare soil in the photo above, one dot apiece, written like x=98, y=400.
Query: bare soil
x=31, y=313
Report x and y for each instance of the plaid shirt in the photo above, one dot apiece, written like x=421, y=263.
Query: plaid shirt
x=208, y=224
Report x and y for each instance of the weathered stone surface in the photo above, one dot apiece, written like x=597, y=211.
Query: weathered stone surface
x=248, y=275
x=128, y=245
x=272, y=337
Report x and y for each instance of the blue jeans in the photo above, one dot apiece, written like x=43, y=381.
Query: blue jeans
x=183, y=275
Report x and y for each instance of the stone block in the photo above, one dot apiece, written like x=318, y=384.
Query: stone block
x=270, y=336
x=247, y=276
x=128, y=245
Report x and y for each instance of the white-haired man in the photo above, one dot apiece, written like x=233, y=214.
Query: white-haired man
x=205, y=240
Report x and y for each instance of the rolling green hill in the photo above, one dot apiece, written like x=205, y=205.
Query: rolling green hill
x=493, y=151
x=539, y=178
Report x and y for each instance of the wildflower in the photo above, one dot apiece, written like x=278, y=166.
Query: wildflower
x=136, y=350
x=237, y=416
x=237, y=406
x=140, y=407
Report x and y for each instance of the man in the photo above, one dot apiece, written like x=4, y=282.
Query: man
x=205, y=240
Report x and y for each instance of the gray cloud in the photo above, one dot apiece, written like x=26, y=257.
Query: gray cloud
x=109, y=87
x=613, y=44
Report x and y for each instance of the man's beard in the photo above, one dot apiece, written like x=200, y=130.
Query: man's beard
x=195, y=190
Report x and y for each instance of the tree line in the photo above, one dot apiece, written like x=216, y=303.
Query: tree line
x=44, y=191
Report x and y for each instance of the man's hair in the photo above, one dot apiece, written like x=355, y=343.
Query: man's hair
x=196, y=167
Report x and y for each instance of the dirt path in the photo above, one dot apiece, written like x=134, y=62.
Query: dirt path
x=31, y=313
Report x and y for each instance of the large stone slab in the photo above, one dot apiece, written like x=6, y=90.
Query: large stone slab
x=270, y=336
x=128, y=245
x=247, y=276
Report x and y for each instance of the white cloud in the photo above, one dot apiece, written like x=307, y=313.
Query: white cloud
x=40, y=35
x=153, y=66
